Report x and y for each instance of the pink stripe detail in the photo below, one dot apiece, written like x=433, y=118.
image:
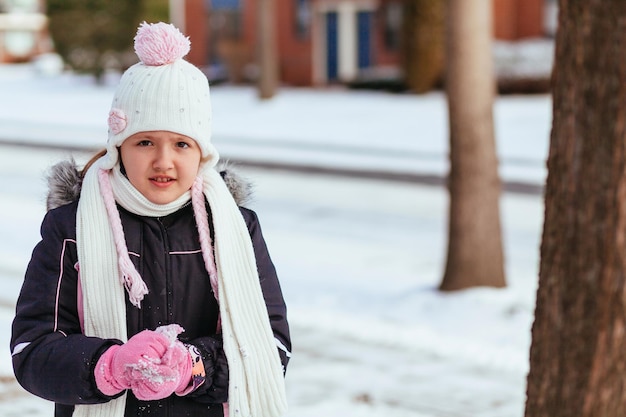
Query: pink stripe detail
x=79, y=300
x=58, y=295
x=188, y=252
x=134, y=254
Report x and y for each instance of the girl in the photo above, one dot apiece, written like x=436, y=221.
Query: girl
x=151, y=291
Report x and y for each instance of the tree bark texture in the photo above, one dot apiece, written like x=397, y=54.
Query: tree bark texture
x=423, y=43
x=578, y=353
x=475, y=255
x=268, y=49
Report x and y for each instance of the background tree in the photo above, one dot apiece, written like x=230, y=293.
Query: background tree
x=423, y=47
x=91, y=35
x=268, y=49
x=156, y=11
x=475, y=255
x=578, y=353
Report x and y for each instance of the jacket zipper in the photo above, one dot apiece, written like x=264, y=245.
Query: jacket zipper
x=169, y=406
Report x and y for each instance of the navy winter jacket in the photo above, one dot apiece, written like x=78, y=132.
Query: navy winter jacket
x=54, y=360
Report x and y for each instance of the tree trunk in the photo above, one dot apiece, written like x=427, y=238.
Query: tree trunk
x=423, y=43
x=268, y=54
x=474, y=243
x=578, y=353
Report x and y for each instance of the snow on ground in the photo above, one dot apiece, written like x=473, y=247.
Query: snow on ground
x=530, y=59
x=359, y=260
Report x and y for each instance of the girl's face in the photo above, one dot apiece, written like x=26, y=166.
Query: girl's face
x=162, y=165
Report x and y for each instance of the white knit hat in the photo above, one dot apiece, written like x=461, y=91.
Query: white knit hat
x=162, y=92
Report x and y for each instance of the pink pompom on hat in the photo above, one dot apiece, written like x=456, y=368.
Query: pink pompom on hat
x=160, y=44
x=161, y=92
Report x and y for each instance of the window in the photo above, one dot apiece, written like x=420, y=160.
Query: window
x=225, y=18
x=550, y=17
x=225, y=24
x=302, y=18
x=392, y=24
x=225, y=4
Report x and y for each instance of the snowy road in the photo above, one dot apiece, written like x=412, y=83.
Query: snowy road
x=358, y=262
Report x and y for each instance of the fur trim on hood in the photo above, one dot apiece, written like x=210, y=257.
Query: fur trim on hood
x=65, y=182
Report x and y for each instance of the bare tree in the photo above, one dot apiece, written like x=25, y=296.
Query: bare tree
x=423, y=32
x=475, y=255
x=578, y=353
x=268, y=50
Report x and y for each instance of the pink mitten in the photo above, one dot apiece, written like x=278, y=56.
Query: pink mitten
x=113, y=372
x=178, y=358
x=108, y=378
x=157, y=379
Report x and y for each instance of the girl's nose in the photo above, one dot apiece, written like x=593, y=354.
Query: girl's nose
x=163, y=159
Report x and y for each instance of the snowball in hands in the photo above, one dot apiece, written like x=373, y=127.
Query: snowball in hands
x=153, y=364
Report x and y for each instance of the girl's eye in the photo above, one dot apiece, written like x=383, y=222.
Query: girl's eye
x=182, y=144
x=144, y=143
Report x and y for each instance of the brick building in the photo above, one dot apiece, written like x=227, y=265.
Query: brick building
x=319, y=41
x=310, y=36
x=324, y=41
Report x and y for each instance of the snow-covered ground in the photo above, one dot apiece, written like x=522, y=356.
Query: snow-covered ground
x=359, y=260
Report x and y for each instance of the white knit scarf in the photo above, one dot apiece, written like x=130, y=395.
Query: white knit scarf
x=256, y=382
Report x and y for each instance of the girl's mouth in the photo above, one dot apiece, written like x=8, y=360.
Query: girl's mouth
x=162, y=181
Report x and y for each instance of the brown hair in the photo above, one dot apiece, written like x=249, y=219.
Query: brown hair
x=93, y=159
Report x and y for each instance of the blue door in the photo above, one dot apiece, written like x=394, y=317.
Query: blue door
x=332, y=46
x=364, y=39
